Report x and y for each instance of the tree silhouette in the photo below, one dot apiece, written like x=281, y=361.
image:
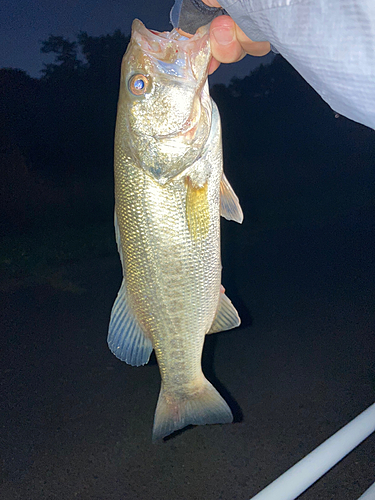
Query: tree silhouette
x=19, y=95
x=275, y=126
x=66, y=57
x=78, y=105
x=103, y=54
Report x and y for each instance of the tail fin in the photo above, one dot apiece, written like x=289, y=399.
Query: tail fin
x=203, y=407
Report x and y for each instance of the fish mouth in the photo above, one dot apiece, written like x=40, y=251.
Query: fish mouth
x=174, y=52
x=170, y=51
x=153, y=35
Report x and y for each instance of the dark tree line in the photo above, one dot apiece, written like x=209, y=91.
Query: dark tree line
x=56, y=132
x=63, y=122
x=284, y=146
x=60, y=127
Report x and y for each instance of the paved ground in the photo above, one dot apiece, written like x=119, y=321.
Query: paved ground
x=76, y=422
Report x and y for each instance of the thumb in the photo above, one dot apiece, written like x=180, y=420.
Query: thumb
x=223, y=37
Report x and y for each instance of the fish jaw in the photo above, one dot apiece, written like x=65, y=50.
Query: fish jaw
x=165, y=128
x=174, y=54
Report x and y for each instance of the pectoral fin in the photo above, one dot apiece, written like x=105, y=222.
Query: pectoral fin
x=197, y=210
x=126, y=339
x=230, y=207
x=226, y=316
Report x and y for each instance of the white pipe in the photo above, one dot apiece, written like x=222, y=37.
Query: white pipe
x=368, y=494
x=314, y=465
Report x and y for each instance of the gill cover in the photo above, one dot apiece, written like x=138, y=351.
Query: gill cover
x=164, y=109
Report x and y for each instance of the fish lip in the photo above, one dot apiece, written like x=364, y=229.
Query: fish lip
x=139, y=27
x=158, y=43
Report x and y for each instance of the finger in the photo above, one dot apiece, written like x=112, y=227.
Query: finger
x=250, y=47
x=212, y=3
x=224, y=44
x=214, y=64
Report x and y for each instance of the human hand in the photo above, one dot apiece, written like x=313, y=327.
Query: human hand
x=229, y=43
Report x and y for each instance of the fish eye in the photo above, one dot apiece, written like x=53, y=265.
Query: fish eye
x=138, y=84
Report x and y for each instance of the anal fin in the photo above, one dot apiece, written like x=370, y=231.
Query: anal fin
x=226, y=316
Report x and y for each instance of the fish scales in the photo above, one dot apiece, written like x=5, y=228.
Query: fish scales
x=167, y=217
x=168, y=273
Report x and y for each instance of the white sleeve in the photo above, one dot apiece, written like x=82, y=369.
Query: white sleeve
x=331, y=43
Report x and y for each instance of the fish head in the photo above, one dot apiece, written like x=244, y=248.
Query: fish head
x=164, y=108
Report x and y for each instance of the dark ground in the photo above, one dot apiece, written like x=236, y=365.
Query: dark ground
x=76, y=422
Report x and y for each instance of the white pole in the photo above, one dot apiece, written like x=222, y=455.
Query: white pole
x=308, y=470
x=368, y=494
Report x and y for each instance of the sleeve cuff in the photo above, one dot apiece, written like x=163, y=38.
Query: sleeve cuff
x=189, y=15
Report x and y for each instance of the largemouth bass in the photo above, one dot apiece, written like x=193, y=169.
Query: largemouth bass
x=169, y=193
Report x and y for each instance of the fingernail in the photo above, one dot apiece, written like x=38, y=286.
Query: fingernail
x=223, y=35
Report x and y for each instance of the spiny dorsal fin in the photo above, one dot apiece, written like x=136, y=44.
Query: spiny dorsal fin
x=230, y=207
x=226, y=316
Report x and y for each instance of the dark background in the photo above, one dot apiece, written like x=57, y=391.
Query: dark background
x=23, y=24
x=76, y=422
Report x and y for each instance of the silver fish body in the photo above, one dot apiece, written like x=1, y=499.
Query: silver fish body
x=169, y=193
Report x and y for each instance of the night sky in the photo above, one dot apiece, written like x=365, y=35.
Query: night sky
x=24, y=24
